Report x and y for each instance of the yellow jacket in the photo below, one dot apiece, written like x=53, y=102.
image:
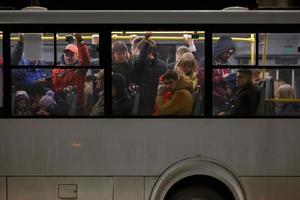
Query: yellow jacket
x=181, y=101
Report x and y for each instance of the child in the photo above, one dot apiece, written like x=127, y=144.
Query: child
x=22, y=105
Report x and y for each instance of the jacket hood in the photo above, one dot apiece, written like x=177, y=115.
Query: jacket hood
x=184, y=83
x=222, y=45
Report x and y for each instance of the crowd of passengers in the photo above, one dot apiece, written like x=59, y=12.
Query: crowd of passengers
x=164, y=89
x=58, y=91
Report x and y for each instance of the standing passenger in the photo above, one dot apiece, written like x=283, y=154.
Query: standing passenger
x=74, y=55
x=120, y=60
x=186, y=66
x=147, y=69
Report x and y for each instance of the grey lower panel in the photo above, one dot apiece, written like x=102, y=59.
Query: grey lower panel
x=275, y=188
x=149, y=184
x=2, y=188
x=80, y=188
x=131, y=188
x=49, y=188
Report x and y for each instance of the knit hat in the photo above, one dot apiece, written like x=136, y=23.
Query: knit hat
x=46, y=101
x=72, y=48
x=21, y=95
x=222, y=45
x=50, y=93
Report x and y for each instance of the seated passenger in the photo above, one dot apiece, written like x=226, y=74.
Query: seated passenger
x=21, y=104
x=122, y=103
x=47, y=104
x=181, y=101
x=286, y=91
x=98, y=108
x=246, y=99
x=187, y=66
x=256, y=77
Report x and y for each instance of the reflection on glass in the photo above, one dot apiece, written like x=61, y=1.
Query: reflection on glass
x=77, y=49
x=256, y=92
x=57, y=92
x=32, y=49
x=234, y=49
x=279, y=49
x=1, y=69
x=141, y=62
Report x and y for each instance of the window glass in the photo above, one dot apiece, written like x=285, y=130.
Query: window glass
x=34, y=49
x=234, y=49
x=77, y=49
x=57, y=92
x=279, y=49
x=256, y=92
x=157, y=73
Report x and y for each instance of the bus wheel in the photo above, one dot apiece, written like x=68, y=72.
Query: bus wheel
x=199, y=188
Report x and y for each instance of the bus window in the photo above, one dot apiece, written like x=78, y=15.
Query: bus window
x=279, y=49
x=256, y=92
x=32, y=49
x=142, y=66
x=77, y=49
x=234, y=49
x=57, y=92
x=1, y=69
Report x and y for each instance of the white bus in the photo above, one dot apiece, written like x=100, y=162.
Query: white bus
x=141, y=156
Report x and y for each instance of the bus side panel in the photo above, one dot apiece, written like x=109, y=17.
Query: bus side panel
x=128, y=188
x=275, y=188
x=92, y=188
x=49, y=188
x=146, y=147
x=2, y=188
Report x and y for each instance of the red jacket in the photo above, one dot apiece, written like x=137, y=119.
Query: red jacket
x=62, y=78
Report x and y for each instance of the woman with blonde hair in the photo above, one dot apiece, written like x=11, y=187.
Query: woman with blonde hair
x=187, y=66
x=286, y=91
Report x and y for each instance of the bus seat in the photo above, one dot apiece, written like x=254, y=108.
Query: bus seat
x=266, y=92
x=135, y=94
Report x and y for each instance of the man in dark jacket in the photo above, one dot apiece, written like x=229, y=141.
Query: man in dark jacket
x=246, y=99
x=147, y=69
x=122, y=103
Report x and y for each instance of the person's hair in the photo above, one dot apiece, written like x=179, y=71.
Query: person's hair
x=286, y=91
x=147, y=46
x=182, y=50
x=187, y=59
x=136, y=41
x=170, y=75
x=119, y=46
x=247, y=72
